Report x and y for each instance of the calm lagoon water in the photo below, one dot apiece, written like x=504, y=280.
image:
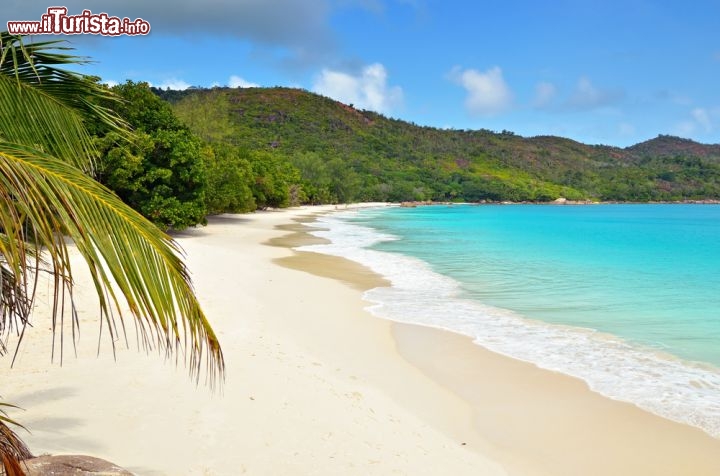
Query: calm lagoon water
x=626, y=297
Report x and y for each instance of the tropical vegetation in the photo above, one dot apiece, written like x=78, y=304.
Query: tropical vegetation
x=161, y=173
x=111, y=169
x=345, y=154
x=210, y=151
x=48, y=197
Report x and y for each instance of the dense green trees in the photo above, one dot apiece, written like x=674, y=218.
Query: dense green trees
x=229, y=176
x=47, y=193
x=326, y=181
x=343, y=154
x=174, y=178
x=161, y=172
x=275, y=182
x=236, y=150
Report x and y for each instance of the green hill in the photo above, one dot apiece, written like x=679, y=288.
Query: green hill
x=346, y=154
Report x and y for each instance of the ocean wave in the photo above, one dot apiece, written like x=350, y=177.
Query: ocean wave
x=679, y=390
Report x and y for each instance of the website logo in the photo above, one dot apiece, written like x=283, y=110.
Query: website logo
x=57, y=22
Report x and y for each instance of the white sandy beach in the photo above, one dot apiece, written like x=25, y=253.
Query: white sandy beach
x=317, y=386
x=297, y=397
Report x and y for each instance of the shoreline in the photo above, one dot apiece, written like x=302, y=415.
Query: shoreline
x=552, y=316
x=659, y=446
x=317, y=385
x=312, y=385
x=558, y=201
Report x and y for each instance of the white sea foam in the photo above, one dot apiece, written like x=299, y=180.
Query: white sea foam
x=682, y=391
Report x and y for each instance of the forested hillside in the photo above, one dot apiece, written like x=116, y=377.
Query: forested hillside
x=200, y=152
x=345, y=154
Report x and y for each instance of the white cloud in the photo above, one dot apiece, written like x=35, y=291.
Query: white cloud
x=176, y=84
x=544, y=94
x=702, y=118
x=368, y=90
x=274, y=22
x=238, y=82
x=488, y=94
x=700, y=121
x=293, y=32
x=110, y=83
x=587, y=96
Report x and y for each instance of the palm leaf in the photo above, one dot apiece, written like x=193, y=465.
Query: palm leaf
x=46, y=106
x=12, y=448
x=39, y=64
x=45, y=198
x=15, y=300
x=123, y=250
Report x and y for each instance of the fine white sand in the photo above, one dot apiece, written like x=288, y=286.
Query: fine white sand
x=313, y=386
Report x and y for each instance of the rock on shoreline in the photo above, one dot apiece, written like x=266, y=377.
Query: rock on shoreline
x=71, y=465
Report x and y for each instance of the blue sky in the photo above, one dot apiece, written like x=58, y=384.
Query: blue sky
x=600, y=72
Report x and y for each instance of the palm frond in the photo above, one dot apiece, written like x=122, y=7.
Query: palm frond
x=46, y=198
x=15, y=301
x=12, y=449
x=45, y=105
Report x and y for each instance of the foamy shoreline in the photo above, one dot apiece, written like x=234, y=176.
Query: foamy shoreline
x=316, y=385
x=655, y=381
x=301, y=394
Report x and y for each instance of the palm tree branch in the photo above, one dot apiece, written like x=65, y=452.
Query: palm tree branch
x=37, y=89
x=121, y=248
x=31, y=116
x=12, y=449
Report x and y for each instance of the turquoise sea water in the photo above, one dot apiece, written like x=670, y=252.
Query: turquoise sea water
x=626, y=297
